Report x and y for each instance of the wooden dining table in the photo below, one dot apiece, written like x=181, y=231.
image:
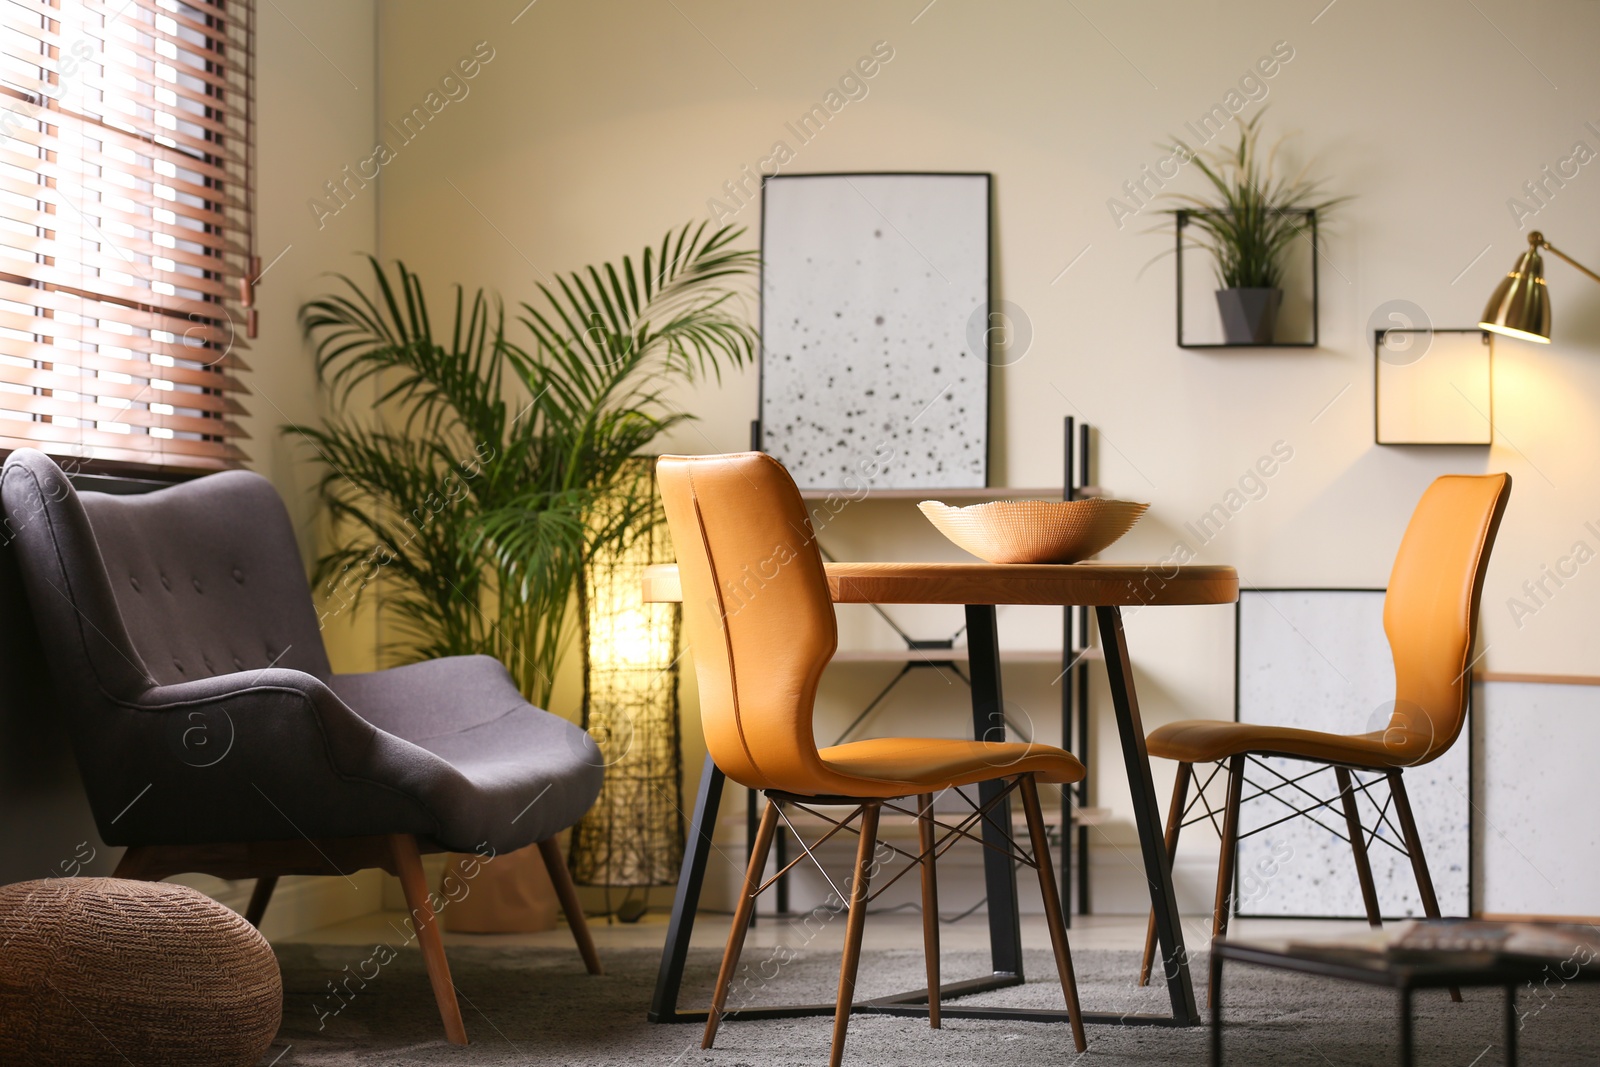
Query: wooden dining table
x=980, y=588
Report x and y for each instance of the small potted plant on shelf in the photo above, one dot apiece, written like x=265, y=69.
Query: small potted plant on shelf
x=1247, y=225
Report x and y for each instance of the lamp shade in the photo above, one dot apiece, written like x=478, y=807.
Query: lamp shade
x=1520, y=306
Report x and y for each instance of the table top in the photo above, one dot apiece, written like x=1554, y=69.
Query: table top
x=1089, y=584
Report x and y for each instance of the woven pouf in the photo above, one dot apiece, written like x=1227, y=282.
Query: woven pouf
x=107, y=971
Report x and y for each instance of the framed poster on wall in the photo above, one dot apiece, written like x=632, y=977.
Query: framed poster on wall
x=875, y=315
x=1318, y=659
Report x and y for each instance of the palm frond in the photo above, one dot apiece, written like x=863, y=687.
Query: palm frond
x=484, y=472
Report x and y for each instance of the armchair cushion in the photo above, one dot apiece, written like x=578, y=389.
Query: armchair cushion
x=521, y=774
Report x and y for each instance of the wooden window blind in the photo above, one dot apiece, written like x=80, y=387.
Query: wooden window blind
x=126, y=254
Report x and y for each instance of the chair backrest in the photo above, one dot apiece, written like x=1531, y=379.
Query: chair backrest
x=757, y=613
x=200, y=579
x=1431, y=611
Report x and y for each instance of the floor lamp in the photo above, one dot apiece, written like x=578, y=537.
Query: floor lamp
x=633, y=836
x=1520, y=306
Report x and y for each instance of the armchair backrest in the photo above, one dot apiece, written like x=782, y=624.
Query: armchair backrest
x=200, y=579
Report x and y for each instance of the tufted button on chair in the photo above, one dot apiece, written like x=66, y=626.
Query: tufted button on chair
x=280, y=766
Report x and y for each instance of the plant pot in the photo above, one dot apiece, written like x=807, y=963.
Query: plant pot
x=1249, y=316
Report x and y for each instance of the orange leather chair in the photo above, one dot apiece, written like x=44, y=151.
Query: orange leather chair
x=1430, y=615
x=761, y=625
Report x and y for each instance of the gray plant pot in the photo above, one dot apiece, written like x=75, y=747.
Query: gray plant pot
x=1249, y=316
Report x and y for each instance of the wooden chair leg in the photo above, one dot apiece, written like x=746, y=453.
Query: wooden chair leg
x=930, y=904
x=408, y=867
x=856, y=921
x=1419, y=862
x=1230, y=848
x=561, y=878
x=136, y=864
x=260, y=897
x=1052, y=907
x=1180, y=797
x=741, y=919
x=1358, y=846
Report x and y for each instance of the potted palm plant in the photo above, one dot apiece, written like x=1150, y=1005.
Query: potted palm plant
x=1247, y=222
x=471, y=483
x=487, y=460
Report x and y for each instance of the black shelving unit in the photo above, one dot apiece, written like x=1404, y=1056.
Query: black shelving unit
x=1075, y=693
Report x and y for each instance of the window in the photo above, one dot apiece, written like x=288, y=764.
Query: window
x=125, y=231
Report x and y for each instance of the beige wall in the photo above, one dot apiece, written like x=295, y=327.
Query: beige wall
x=596, y=126
x=316, y=94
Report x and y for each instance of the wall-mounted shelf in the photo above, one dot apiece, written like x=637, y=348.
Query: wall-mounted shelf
x=957, y=654
x=1180, y=220
x=1433, y=386
x=954, y=496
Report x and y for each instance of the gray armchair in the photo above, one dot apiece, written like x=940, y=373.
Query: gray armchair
x=213, y=736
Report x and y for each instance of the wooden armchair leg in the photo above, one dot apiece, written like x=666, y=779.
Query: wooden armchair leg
x=137, y=864
x=260, y=897
x=561, y=878
x=408, y=867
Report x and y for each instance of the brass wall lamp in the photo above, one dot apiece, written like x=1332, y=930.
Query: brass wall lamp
x=1520, y=307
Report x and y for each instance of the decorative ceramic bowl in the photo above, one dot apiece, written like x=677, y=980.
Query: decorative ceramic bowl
x=1034, y=531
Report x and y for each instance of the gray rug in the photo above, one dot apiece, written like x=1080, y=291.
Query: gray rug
x=526, y=1006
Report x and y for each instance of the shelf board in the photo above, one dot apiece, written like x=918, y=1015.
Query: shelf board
x=802, y=820
x=960, y=654
x=1247, y=344
x=974, y=496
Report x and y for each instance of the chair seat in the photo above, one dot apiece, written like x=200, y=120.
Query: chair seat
x=1209, y=740
x=516, y=774
x=899, y=766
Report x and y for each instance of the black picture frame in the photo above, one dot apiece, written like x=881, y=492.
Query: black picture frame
x=758, y=425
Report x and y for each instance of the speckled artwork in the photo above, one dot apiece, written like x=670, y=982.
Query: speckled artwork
x=1319, y=660
x=869, y=284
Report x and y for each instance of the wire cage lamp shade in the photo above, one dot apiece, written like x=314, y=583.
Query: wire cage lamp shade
x=634, y=834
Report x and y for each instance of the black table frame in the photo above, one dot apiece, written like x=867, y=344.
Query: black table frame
x=1005, y=929
x=1507, y=972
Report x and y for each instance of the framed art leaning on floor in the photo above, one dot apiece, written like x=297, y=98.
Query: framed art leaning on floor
x=876, y=326
x=1318, y=659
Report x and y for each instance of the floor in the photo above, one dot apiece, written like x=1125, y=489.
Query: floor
x=891, y=930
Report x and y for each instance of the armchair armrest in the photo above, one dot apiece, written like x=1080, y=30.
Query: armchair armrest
x=263, y=755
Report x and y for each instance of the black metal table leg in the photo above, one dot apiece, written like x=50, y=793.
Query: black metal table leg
x=1147, y=816
x=1406, y=1057
x=1005, y=928
x=989, y=724
x=691, y=878
x=1216, y=1010
x=1512, y=1024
